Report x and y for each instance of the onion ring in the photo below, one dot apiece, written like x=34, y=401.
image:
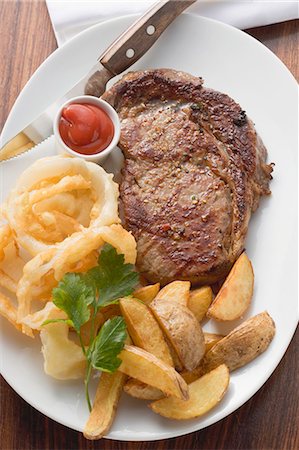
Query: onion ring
x=56, y=175
x=57, y=261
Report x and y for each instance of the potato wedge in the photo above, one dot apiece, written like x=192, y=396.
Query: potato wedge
x=110, y=311
x=204, y=394
x=145, y=333
x=176, y=361
x=105, y=404
x=243, y=344
x=211, y=339
x=199, y=301
x=190, y=376
x=147, y=293
x=142, y=391
x=149, y=369
x=235, y=294
x=144, y=329
x=182, y=330
x=177, y=291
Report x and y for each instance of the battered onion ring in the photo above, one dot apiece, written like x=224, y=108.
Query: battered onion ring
x=49, y=312
x=8, y=310
x=53, y=176
x=54, y=198
x=57, y=261
x=6, y=237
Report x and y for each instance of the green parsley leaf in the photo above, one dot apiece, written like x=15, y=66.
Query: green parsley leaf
x=113, y=278
x=73, y=295
x=108, y=344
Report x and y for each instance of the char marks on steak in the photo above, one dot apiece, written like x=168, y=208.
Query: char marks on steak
x=194, y=172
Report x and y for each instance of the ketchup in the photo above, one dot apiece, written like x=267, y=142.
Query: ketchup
x=85, y=128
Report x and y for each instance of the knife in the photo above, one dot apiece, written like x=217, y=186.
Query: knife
x=128, y=48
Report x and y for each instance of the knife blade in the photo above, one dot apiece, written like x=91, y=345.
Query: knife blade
x=128, y=48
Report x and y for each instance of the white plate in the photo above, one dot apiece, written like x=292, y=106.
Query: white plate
x=232, y=62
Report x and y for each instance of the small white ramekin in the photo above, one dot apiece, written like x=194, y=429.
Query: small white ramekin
x=97, y=157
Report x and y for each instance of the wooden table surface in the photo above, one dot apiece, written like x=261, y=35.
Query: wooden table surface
x=270, y=419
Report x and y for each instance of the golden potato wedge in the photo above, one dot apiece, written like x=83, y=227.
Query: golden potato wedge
x=105, y=404
x=142, y=391
x=144, y=329
x=204, y=394
x=176, y=361
x=182, y=330
x=192, y=375
x=199, y=301
x=147, y=293
x=149, y=369
x=235, y=294
x=177, y=291
x=243, y=344
x=211, y=339
x=110, y=311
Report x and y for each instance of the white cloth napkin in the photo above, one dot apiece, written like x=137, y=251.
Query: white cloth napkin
x=69, y=17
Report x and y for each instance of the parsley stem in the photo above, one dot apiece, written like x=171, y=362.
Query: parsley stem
x=82, y=344
x=86, y=382
x=87, y=354
x=95, y=311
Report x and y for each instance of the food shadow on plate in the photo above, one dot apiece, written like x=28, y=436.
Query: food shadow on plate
x=114, y=163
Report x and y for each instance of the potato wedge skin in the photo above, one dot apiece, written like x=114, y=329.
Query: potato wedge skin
x=204, y=394
x=176, y=291
x=145, y=367
x=235, y=295
x=147, y=293
x=144, y=329
x=242, y=345
x=211, y=339
x=182, y=330
x=104, y=408
x=199, y=301
x=142, y=391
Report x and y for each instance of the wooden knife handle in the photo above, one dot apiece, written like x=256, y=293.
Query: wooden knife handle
x=140, y=36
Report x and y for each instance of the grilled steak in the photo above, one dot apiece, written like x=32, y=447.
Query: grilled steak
x=194, y=172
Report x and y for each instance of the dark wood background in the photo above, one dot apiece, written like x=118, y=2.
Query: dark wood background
x=266, y=422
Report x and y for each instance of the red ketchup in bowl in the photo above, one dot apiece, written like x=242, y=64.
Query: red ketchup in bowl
x=85, y=128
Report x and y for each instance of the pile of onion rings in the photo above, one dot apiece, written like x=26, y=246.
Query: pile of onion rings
x=55, y=221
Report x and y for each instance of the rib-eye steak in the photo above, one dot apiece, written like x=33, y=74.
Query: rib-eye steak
x=194, y=172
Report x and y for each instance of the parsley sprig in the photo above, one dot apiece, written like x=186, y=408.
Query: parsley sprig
x=81, y=296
